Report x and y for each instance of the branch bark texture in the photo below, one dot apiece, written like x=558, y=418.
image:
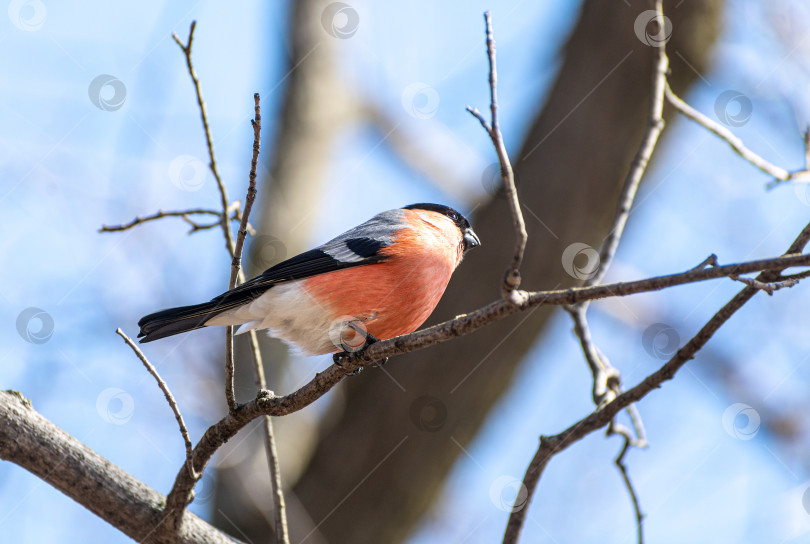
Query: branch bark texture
x=48, y=452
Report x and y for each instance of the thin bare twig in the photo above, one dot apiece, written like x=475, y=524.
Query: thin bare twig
x=184, y=215
x=777, y=172
x=235, y=252
x=226, y=231
x=223, y=195
x=512, y=277
x=711, y=260
x=768, y=287
x=623, y=431
x=236, y=264
x=169, y=398
x=280, y=508
x=639, y=165
x=603, y=372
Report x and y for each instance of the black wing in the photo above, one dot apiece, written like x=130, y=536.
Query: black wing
x=359, y=246
x=305, y=265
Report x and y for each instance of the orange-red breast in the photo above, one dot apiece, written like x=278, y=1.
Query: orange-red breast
x=381, y=279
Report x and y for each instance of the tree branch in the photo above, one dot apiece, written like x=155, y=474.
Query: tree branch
x=37, y=445
x=512, y=277
x=280, y=508
x=166, y=392
x=606, y=378
x=226, y=231
x=615, y=428
x=777, y=172
x=550, y=446
x=183, y=214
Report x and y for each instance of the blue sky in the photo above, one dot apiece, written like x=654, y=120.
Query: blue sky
x=69, y=166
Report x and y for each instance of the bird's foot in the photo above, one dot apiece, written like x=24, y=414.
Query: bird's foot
x=371, y=339
x=339, y=357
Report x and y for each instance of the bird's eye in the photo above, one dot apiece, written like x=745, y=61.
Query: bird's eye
x=453, y=216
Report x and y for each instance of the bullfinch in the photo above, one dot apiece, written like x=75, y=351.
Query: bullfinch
x=381, y=279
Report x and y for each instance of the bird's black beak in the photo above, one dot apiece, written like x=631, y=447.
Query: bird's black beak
x=470, y=240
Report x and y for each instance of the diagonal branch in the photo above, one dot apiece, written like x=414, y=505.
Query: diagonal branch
x=167, y=393
x=550, y=446
x=48, y=452
x=266, y=403
x=777, y=172
x=606, y=378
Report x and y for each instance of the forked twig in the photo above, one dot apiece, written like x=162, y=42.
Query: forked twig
x=184, y=215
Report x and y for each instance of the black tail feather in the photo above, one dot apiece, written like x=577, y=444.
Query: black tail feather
x=177, y=320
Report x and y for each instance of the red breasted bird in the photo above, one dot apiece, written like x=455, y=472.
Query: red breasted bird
x=381, y=279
